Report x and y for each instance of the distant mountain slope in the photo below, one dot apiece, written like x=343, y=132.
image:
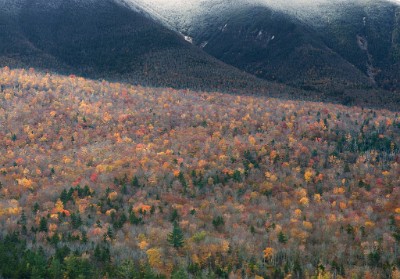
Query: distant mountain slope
x=353, y=48
x=311, y=44
x=275, y=46
x=106, y=39
x=368, y=37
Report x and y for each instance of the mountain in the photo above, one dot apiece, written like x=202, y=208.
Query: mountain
x=368, y=37
x=107, y=39
x=275, y=46
x=243, y=47
x=322, y=45
x=102, y=177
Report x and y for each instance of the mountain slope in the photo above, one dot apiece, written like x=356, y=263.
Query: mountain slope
x=353, y=48
x=112, y=40
x=275, y=46
x=367, y=36
x=106, y=39
x=321, y=45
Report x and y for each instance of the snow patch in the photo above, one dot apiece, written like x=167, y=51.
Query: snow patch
x=188, y=39
x=203, y=44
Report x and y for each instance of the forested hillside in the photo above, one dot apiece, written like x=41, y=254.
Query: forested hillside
x=105, y=39
x=108, y=180
x=108, y=39
x=336, y=47
x=343, y=46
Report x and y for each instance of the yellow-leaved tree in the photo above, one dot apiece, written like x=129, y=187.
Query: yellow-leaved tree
x=154, y=257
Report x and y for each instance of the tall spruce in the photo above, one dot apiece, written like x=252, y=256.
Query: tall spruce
x=176, y=238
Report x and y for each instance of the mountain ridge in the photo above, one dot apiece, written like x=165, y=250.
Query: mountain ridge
x=112, y=40
x=338, y=26
x=109, y=40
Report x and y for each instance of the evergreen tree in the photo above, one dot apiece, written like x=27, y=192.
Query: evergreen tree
x=134, y=220
x=77, y=267
x=22, y=222
x=282, y=238
x=24, y=230
x=43, y=225
x=64, y=196
x=23, y=218
x=252, y=229
x=55, y=239
x=135, y=182
x=118, y=223
x=110, y=233
x=55, y=268
x=76, y=220
x=86, y=191
x=174, y=216
x=182, y=180
x=35, y=208
x=102, y=253
x=84, y=237
x=218, y=221
x=237, y=176
x=124, y=189
x=70, y=193
x=61, y=253
x=179, y=274
x=127, y=270
x=176, y=238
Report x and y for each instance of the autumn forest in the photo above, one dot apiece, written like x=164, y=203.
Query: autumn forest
x=110, y=180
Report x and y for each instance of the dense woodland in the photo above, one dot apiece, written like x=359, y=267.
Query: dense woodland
x=108, y=180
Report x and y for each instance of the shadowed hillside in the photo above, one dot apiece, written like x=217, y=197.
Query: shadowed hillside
x=278, y=47
x=107, y=40
x=103, y=39
x=336, y=48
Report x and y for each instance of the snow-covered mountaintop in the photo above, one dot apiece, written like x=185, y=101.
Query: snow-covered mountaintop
x=181, y=14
